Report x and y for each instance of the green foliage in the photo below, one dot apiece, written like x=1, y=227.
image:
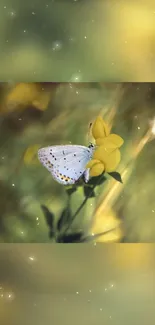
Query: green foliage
x=62, y=232
x=116, y=176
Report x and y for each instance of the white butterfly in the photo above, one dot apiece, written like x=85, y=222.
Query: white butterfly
x=67, y=163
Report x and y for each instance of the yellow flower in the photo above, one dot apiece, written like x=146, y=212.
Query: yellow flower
x=107, y=155
x=100, y=129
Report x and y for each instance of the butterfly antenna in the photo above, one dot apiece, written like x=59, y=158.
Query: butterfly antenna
x=89, y=137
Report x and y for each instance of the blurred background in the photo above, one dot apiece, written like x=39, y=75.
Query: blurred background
x=77, y=40
x=34, y=115
x=77, y=284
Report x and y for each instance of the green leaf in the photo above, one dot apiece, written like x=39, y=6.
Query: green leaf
x=71, y=190
x=116, y=176
x=71, y=238
x=49, y=216
x=64, y=218
x=88, y=192
x=98, y=180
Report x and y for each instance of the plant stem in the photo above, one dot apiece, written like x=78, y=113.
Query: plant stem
x=81, y=206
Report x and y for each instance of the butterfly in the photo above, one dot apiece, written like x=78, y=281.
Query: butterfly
x=67, y=163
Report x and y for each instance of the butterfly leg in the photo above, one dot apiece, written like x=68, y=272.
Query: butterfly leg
x=86, y=175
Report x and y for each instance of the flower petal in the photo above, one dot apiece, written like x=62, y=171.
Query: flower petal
x=116, y=139
x=100, y=129
x=112, y=161
x=92, y=162
x=97, y=169
x=109, y=157
x=108, y=145
x=101, y=153
x=112, y=141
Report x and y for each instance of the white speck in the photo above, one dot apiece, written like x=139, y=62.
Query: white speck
x=92, y=234
x=24, y=30
x=38, y=224
x=105, y=289
x=110, y=317
x=31, y=258
x=37, y=218
x=138, y=127
x=75, y=77
x=85, y=37
x=12, y=14
x=101, y=309
x=33, y=13
x=57, y=46
x=77, y=292
x=152, y=210
x=90, y=291
x=10, y=296
x=4, y=7
x=47, y=6
x=19, y=119
x=77, y=92
x=22, y=232
x=2, y=295
x=95, y=244
x=13, y=184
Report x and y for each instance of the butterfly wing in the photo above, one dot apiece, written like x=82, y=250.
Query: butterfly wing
x=66, y=163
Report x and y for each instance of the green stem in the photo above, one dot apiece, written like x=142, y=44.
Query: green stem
x=81, y=206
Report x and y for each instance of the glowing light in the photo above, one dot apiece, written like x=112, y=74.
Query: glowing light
x=57, y=46
x=153, y=126
x=76, y=77
x=77, y=292
x=10, y=296
x=12, y=14
x=32, y=258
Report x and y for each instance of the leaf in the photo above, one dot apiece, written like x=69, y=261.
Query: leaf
x=88, y=192
x=116, y=176
x=64, y=218
x=71, y=238
x=71, y=190
x=49, y=217
x=98, y=180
